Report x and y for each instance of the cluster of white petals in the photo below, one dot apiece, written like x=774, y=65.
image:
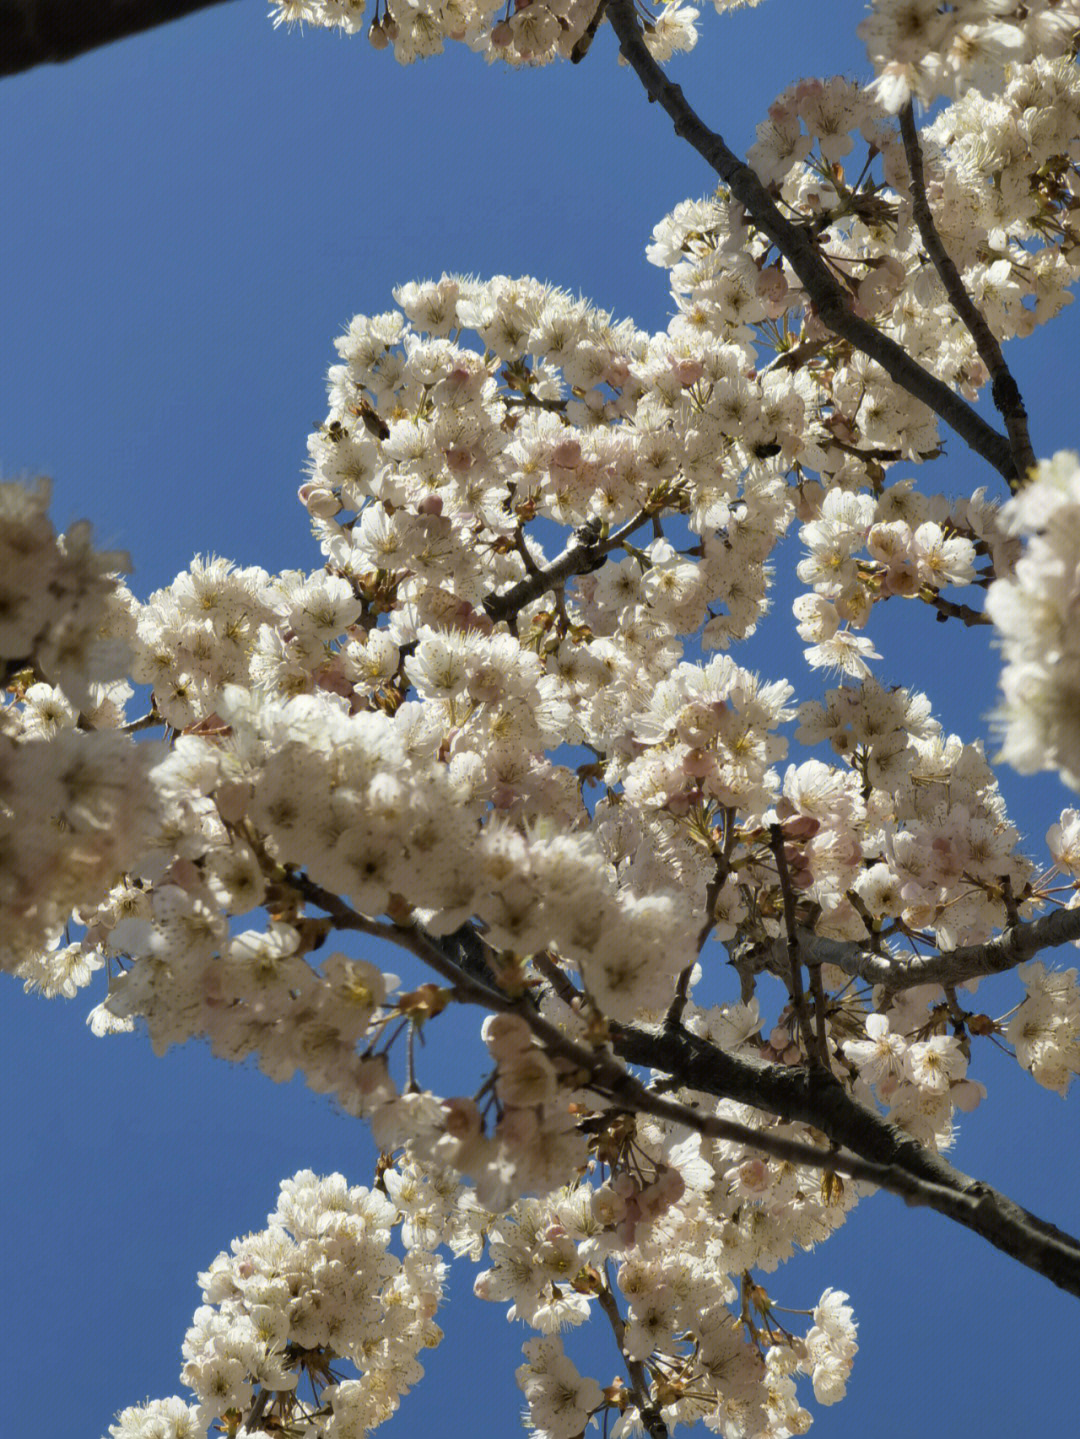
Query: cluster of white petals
x=1045, y=1029
x=172, y=1418
x=287, y=1305
x=62, y=611
x=933, y=844
x=1034, y=608
x=677, y=1221
x=925, y=49
x=523, y=32
x=500, y=727
x=385, y=740
x=76, y=803
x=864, y=548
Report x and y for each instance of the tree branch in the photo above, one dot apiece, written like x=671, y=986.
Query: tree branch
x=582, y=45
x=950, y=610
x=879, y=1152
x=651, y=1418
x=814, y=1042
x=599, y=1070
x=813, y=1096
x=42, y=32
x=796, y=243
x=1019, y=943
x=583, y=554
x=1005, y=390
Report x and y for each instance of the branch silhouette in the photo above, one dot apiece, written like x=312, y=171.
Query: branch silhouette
x=49, y=32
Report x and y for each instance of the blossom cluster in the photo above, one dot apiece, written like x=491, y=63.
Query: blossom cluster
x=862, y=549
x=535, y=1141
x=524, y=32
x=1045, y=1030
x=676, y=1221
x=318, y=1286
x=504, y=706
x=62, y=618
x=385, y=735
x=76, y=803
x=924, y=49
x=1000, y=183
x=1034, y=608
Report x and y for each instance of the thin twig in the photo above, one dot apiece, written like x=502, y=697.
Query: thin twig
x=557, y=978
x=950, y=610
x=721, y=871
x=817, y=989
x=580, y=556
x=1003, y=386
x=585, y=39
x=673, y=1017
x=146, y=721
x=794, y=965
x=639, y=1380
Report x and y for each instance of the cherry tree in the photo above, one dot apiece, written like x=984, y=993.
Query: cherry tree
x=726, y=944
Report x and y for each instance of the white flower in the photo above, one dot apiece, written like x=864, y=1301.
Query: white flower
x=881, y=1054
x=934, y=1063
x=560, y=1399
x=158, y=1419
x=1033, y=609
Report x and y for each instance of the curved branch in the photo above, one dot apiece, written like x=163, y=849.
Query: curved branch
x=1003, y=387
x=796, y=243
x=598, y=1069
x=42, y=32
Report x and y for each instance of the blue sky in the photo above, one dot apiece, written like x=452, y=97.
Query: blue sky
x=190, y=219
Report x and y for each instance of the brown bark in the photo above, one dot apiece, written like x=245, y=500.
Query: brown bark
x=41, y=32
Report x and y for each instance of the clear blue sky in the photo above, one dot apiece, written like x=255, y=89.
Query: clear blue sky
x=189, y=219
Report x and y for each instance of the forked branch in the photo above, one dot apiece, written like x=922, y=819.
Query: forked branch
x=865, y=1145
x=796, y=244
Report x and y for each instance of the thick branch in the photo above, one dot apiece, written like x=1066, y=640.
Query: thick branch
x=1005, y=390
x=41, y=32
x=877, y=1152
x=796, y=244
x=598, y=1069
x=813, y=1096
x=1019, y=943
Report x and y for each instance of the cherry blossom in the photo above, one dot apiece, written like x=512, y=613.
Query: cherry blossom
x=505, y=725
